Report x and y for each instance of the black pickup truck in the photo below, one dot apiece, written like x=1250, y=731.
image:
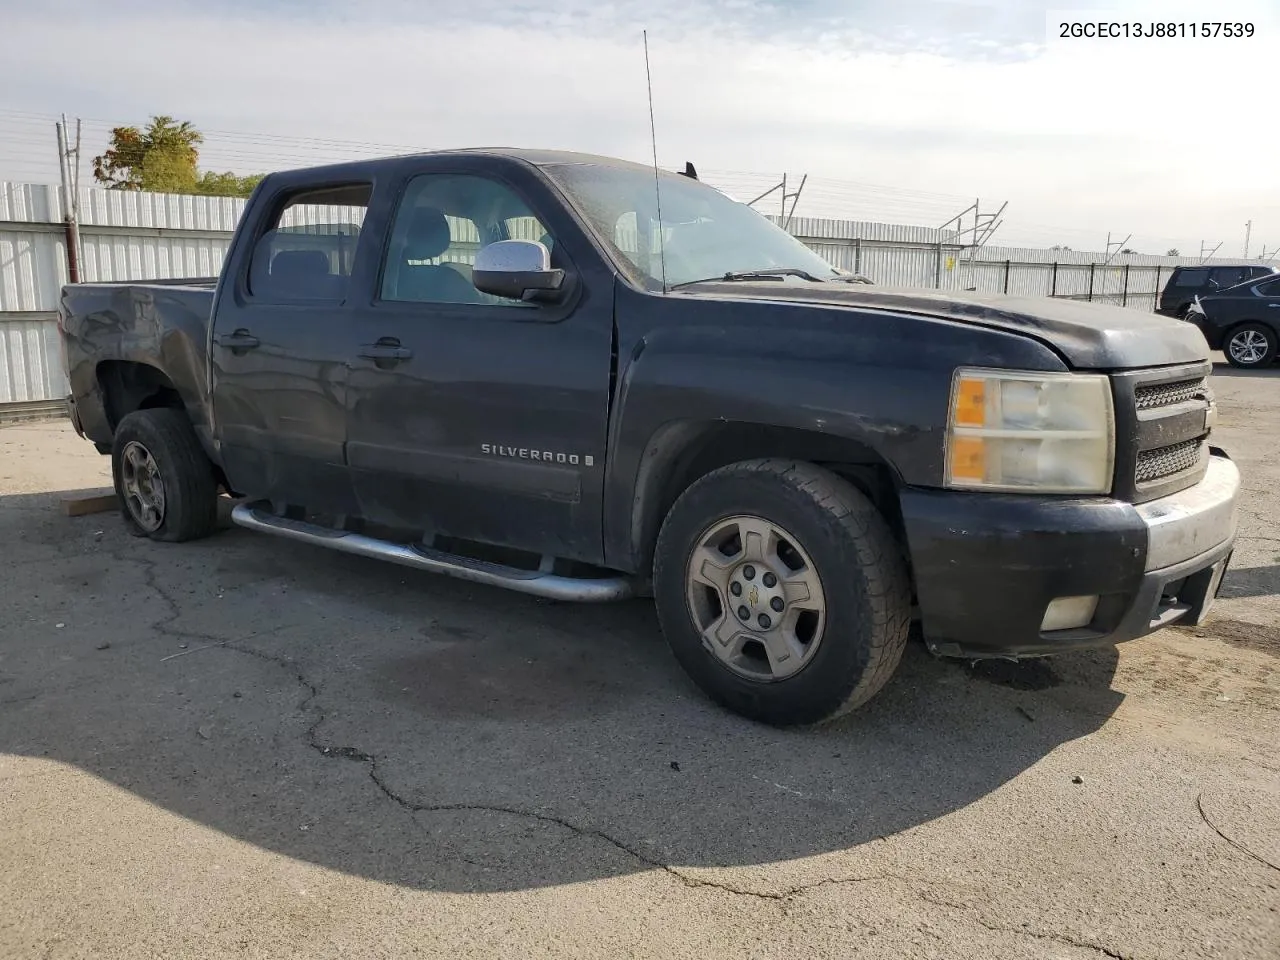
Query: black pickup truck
x=521, y=368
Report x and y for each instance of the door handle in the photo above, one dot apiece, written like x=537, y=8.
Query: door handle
x=240, y=340
x=388, y=348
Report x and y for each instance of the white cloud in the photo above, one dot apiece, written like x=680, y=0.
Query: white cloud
x=928, y=95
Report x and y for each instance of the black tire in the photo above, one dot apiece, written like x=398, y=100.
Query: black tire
x=190, y=490
x=868, y=600
x=1266, y=358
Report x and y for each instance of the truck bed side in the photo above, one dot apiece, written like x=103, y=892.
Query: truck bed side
x=135, y=345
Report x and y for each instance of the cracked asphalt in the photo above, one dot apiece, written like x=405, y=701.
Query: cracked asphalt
x=245, y=747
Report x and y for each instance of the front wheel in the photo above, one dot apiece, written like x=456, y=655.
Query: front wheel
x=782, y=591
x=165, y=483
x=1251, y=345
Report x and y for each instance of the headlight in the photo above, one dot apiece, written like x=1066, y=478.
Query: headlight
x=1030, y=432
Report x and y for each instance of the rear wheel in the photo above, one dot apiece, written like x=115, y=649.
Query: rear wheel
x=165, y=483
x=782, y=591
x=1250, y=345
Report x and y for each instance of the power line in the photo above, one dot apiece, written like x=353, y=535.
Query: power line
x=27, y=154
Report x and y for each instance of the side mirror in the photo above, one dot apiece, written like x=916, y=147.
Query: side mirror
x=518, y=270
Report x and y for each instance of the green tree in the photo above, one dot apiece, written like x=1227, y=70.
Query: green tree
x=1172, y=252
x=226, y=184
x=164, y=158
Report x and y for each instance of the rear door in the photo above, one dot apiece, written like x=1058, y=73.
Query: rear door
x=1249, y=301
x=281, y=350
x=1263, y=303
x=472, y=416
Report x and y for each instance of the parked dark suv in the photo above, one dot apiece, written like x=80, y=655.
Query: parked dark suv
x=1187, y=283
x=1243, y=322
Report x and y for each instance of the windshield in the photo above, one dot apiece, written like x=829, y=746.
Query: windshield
x=704, y=235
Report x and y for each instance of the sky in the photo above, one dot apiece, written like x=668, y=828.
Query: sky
x=897, y=110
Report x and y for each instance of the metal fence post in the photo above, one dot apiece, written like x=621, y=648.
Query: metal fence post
x=1124, y=294
x=1091, y=272
x=857, y=255
x=1155, y=299
x=1008, y=264
x=937, y=267
x=1053, y=283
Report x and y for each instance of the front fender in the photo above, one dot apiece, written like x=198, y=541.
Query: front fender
x=877, y=383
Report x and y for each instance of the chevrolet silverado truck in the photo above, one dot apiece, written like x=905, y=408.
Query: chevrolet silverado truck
x=577, y=378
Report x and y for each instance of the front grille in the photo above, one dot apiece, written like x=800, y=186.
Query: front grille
x=1166, y=461
x=1150, y=396
x=1162, y=430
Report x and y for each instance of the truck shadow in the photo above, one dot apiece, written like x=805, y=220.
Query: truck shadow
x=433, y=734
x=1252, y=582
x=1223, y=369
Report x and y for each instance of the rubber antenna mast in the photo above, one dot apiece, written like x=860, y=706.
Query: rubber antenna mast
x=653, y=140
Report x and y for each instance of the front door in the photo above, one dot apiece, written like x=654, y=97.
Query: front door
x=281, y=352
x=470, y=415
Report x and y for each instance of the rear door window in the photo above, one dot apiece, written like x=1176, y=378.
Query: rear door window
x=309, y=249
x=1268, y=289
x=1193, y=278
x=1229, y=276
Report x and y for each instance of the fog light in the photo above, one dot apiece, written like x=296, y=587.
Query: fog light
x=1067, y=613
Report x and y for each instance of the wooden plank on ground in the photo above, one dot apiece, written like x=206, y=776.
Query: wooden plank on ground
x=81, y=505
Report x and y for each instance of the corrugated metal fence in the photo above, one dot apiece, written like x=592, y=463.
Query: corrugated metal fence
x=140, y=236
x=896, y=255
x=124, y=236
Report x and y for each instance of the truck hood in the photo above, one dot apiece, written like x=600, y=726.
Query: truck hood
x=1088, y=335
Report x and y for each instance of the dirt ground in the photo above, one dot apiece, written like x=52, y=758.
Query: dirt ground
x=244, y=747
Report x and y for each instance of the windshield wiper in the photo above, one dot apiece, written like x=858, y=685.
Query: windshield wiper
x=771, y=274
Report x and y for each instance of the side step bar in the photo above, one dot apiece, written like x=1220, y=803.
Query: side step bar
x=256, y=516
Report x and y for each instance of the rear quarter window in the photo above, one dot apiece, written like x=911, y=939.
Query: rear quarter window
x=1191, y=278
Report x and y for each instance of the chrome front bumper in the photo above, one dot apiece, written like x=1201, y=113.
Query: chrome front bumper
x=1195, y=521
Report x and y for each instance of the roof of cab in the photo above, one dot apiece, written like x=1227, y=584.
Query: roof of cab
x=540, y=158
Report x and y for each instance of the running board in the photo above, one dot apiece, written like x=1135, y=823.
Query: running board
x=255, y=516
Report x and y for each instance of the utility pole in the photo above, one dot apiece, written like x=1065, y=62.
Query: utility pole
x=795, y=198
x=1248, y=228
x=984, y=225
x=784, y=220
x=69, y=167
x=1205, y=256
x=1119, y=246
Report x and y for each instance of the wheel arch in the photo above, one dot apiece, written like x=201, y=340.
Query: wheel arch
x=683, y=452
x=130, y=385
x=1271, y=323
